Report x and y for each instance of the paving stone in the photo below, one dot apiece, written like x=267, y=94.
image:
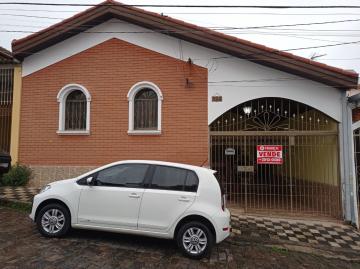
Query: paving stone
x=347, y=238
x=255, y=234
x=353, y=234
x=333, y=244
x=326, y=236
x=293, y=239
x=300, y=236
x=355, y=247
x=222, y=256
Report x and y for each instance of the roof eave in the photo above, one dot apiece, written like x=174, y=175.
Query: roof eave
x=330, y=76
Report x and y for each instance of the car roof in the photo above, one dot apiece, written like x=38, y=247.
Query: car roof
x=179, y=165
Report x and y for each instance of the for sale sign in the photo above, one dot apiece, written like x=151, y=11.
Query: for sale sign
x=269, y=154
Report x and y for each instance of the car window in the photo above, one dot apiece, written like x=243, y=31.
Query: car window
x=192, y=182
x=169, y=178
x=124, y=175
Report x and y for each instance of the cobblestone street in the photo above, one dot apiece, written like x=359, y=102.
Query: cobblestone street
x=21, y=246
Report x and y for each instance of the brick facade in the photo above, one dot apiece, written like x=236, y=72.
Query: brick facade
x=356, y=114
x=108, y=71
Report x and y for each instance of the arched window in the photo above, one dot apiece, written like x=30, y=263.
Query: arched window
x=74, y=110
x=145, y=100
x=145, y=110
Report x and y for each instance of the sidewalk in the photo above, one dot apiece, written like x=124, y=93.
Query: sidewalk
x=314, y=233
x=18, y=194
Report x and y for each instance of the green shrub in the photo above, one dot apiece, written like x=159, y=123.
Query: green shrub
x=18, y=175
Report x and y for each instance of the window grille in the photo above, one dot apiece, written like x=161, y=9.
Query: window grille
x=75, y=111
x=146, y=110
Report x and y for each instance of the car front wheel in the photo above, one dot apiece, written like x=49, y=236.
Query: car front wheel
x=195, y=240
x=53, y=220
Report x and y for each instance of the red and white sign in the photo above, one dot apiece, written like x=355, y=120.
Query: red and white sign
x=269, y=154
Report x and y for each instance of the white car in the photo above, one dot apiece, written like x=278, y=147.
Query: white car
x=159, y=199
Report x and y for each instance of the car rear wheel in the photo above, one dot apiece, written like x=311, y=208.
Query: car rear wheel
x=53, y=220
x=195, y=240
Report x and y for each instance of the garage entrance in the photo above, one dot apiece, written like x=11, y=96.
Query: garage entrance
x=277, y=155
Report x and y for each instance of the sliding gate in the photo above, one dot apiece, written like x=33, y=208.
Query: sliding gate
x=277, y=155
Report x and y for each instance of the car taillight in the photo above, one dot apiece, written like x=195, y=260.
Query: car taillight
x=222, y=192
x=223, y=202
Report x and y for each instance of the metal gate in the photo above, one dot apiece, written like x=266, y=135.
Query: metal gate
x=305, y=181
x=6, y=97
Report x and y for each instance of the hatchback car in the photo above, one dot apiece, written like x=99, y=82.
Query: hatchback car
x=152, y=198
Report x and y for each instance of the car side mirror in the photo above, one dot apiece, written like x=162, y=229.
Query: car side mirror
x=90, y=181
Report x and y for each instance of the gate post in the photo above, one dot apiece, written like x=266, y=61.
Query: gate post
x=347, y=164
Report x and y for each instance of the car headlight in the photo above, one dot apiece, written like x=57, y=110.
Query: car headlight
x=45, y=188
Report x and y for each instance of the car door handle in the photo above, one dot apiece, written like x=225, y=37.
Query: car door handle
x=134, y=195
x=184, y=199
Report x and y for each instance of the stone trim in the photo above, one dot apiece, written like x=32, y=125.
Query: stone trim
x=43, y=175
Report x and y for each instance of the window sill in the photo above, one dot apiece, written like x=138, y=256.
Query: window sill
x=144, y=132
x=73, y=132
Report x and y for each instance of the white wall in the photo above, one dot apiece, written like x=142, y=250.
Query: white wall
x=317, y=95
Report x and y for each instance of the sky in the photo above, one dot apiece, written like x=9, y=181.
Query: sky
x=15, y=18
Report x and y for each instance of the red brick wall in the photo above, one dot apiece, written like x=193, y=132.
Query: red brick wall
x=108, y=71
x=356, y=114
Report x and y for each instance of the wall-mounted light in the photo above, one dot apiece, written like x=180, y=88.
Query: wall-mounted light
x=247, y=110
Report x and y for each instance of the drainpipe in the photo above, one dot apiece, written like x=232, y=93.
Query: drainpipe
x=350, y=191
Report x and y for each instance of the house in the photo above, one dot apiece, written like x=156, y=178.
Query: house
x=354, y=98
x=116, y=82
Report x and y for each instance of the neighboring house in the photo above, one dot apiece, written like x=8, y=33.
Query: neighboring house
x=10, y=77
x=354, y=97
x=116, y=82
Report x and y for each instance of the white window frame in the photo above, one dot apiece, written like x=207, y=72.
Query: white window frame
x=61, y=98
x=131, y=96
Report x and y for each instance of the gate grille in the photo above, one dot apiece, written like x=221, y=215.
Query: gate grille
x=306, y=183
x=6, y=95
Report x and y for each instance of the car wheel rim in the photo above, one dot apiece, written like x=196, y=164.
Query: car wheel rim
x=53, y=221
x=194, y=240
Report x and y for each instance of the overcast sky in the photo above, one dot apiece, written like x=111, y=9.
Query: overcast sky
x=22, y=18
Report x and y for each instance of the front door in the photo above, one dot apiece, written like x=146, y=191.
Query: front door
x=115, y=199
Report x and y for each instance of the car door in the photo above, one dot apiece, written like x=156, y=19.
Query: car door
x=166, y=198
x=114, y=199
